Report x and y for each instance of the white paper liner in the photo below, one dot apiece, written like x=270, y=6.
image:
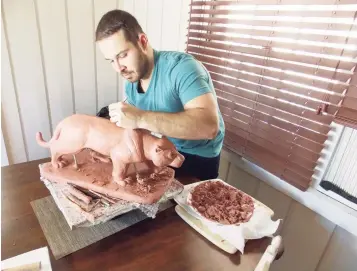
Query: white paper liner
x=260, y=224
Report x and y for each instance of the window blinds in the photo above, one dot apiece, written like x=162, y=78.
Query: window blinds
x=280, y=73
x=347, y=114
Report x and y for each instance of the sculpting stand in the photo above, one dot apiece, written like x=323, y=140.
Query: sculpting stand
x=76, y=217
x=87, y=196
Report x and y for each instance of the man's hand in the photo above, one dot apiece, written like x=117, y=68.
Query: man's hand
x=125, y=115
x=199, y=120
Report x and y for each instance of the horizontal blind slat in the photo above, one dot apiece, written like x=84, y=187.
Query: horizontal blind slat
x=350, y=103
x=253, y=145
x=262, y=115
x=276, y=43
x=277, y=30
x=252, y=86
x=304, y=5
x=352, y=92
x=222, y=67
x=328, y=60
x=264, y=54
x=260, y=66
x=308, y=10
x=234, y=93
x=341, y=23
x=269, y=121
x=301, y=131
x=292, y=151
x=288, y=97
x=347, y=114
x=287, y=51
x=246, y=106
x=275, y=170
x=269, y=36
x=275, y=166
x=274, y=133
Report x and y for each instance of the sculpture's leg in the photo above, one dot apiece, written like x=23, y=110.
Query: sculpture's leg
x=62, y=163
x=75, y=161
x=56, y=160
x=152, y=167
x=157, y=169
x=119, y=172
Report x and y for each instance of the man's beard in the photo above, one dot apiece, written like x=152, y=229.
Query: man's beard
x=142, y=71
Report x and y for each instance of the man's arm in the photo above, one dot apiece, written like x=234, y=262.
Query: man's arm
x=199, y=120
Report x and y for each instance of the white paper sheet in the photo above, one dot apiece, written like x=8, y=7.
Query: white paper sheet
x=37, y=255
x=260, y=224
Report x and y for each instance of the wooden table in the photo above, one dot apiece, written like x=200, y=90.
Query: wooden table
x=163, y=243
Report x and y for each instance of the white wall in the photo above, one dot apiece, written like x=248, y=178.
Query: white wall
x=4, y=159
x=51, y=67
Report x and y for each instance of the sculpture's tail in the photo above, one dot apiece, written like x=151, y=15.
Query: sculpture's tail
x=40, y=140
x=45, y=144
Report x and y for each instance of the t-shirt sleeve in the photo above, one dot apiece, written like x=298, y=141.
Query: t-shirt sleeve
x=191, y=80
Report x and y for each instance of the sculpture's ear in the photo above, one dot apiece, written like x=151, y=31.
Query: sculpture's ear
x=158, y=149
x=170, y=155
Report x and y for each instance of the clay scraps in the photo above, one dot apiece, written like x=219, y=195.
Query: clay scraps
x=221, y=203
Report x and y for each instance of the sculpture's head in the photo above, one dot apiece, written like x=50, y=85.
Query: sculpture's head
x=164, y=153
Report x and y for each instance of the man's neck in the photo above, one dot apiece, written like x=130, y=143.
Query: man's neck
x=145, y=81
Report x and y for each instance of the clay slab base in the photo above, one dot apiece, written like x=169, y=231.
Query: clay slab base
x=97, y=176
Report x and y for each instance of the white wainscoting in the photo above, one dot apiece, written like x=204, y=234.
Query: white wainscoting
x=51, y=67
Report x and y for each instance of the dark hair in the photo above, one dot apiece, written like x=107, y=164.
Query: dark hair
x=115, y=20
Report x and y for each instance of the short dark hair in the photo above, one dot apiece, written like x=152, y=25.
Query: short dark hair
x=115, y=20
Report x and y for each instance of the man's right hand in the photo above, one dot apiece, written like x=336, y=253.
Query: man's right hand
x=125, y=115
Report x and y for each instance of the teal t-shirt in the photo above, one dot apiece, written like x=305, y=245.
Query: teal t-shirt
x=177, y=78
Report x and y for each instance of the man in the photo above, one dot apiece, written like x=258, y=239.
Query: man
x=168, y=93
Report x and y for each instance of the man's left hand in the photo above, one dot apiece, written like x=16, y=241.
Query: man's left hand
x=125, y=115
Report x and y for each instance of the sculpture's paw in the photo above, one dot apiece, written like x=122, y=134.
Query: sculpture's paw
x=105, y=160
x=119, y=181
x=129, y=180
x=157, y=169
x=101, y=159
x=55, y=165
x=140, y=179
x=93, y=160
x=59, y=164
x=62, y=163
x=154, y=175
